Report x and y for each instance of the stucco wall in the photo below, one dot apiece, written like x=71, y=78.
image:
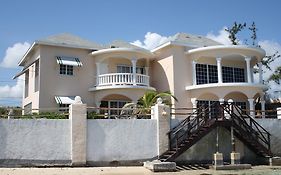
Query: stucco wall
x=26, y=142
x=273, y=126
x=204, y=149
x=118, y=141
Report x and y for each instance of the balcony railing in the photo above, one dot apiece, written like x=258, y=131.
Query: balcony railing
x=122, y=79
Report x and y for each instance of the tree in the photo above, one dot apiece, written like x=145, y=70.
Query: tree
x=238, y=27
x=233, y=31
x=142, y=108
x=276, y=76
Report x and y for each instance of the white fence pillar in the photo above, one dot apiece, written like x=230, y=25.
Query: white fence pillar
x=279, y=113
x=161, y=113
x=78, y=127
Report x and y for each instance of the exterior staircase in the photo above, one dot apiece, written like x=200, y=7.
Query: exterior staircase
x=203, y=121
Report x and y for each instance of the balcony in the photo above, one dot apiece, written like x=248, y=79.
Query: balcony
x=121, y=80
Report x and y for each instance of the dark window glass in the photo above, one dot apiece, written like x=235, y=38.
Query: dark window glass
x=239, y=75
x=227, y=74
x=69, y=70
x=66, y=70
x=201, y=74
x=213, y=73
x=62, y=107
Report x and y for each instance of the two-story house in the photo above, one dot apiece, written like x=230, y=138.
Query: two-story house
x=195, y=69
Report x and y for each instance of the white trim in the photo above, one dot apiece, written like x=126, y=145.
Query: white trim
x=216, y=85
x=121, y=87
x=260, y=53
x=174, y=43
x=112, y=50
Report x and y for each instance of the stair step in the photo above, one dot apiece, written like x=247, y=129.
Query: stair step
x=165, y=156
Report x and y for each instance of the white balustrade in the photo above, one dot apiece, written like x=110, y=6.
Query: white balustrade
x=122, y=79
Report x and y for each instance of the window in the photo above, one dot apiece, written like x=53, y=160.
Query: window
x=233, y=74
x=201, y=74
x=112, y=104
x=26, y=84
x=242, y=105
x=27, y=109
x=129, y=69
x=66, y=69
x=213, y=73
x=239, y=75
x=209, y=106
x=206, y=74
x=36, y=80
x=63, y=107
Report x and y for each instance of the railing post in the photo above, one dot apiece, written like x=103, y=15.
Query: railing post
x=269, y=142
x=97, y=73
x=134, y=64
x=161, y=113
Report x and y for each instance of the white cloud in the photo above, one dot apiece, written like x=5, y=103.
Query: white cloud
x=222, y=37
x=151, y=40
x=16, y=91
x=14, y=54
x=271, y=47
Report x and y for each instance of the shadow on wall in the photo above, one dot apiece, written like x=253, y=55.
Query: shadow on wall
x=159, y=77
x=203, y=150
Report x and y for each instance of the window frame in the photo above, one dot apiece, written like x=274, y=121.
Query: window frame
x=66, y=70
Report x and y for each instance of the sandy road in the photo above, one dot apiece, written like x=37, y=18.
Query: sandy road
x=258, y=170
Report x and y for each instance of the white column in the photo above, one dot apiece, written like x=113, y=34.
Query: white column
x=194, y=72
x=194, y=105
x=260, y=73
x=146, y=70
x=98, y=73
x=219, y=70
x=248, y=64
x=252, y=107
x=221, y=100
x=134, y=64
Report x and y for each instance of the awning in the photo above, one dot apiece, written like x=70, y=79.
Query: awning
x=71, y=61
x=64, y=99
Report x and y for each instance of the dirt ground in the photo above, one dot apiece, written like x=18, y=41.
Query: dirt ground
x=257, y=170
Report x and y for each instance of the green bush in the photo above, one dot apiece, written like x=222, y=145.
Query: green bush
x=94, y=115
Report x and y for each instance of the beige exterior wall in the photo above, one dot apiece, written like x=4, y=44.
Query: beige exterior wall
x=53, y=84
x=169, y=70
x=33, y=80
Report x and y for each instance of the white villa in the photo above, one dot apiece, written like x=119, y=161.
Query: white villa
x=197, y=70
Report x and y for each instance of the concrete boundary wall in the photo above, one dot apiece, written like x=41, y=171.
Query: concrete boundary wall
x=118, y=142
x=34, y=142
x=99, y=142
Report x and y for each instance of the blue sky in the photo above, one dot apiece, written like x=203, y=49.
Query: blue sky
x=103, y=21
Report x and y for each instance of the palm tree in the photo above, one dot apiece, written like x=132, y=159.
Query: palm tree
x=144, y=104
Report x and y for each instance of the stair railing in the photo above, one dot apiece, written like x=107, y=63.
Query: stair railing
x=248, y=124
x=191, y=124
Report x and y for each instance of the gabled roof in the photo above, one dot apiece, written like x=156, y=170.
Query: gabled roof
x=66, y=39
